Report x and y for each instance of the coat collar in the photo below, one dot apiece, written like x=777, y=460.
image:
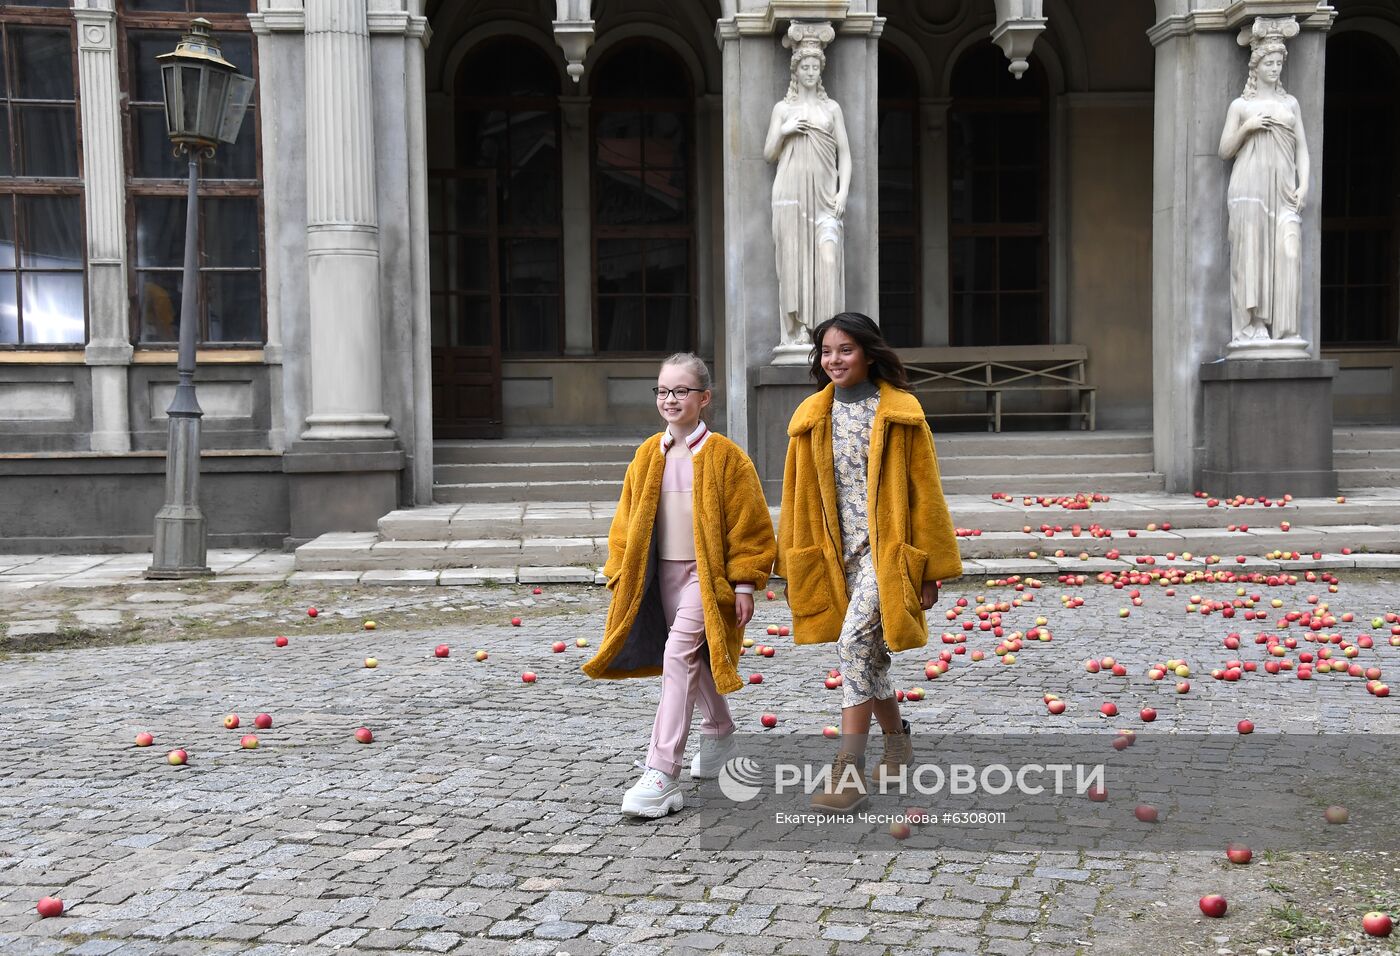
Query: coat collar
x=693, y=441
x=896, y=405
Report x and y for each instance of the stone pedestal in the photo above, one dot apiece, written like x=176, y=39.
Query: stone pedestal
x=1268, y=427
x=340, y=486
x=777, y=390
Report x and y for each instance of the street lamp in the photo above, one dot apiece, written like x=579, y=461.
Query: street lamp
x=205, y=99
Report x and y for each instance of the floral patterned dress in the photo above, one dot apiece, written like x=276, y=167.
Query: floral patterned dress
x=865, y=660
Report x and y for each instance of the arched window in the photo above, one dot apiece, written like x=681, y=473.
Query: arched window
x=998, y=201
x=1360, y=191
x=900, y=249
x=507, y=101
x=643, y=224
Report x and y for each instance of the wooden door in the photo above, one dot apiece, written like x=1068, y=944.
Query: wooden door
x=465, y=293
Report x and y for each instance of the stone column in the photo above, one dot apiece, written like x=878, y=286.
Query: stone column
x=342, y=233
x=756, y=77
x=577, y=225
x=109, y=349
x=1199, y=71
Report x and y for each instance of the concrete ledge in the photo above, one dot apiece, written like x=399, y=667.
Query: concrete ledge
x=557, y=575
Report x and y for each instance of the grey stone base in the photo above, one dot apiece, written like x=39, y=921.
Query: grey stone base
x=777, y=391
x=340, y=485
x=1268, y=428
x=106, y=504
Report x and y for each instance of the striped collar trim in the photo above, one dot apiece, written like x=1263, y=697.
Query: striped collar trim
x=693, y=441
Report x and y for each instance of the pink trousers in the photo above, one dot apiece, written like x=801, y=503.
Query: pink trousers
x=685, y=672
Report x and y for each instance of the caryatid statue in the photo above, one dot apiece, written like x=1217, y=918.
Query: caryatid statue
x=1268, y=185
x=807, y=139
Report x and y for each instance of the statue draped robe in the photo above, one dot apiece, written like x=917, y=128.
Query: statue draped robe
x=1265, y=230
x=804, y=217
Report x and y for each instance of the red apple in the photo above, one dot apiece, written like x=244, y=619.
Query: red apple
x=537, y=591
x=832, y=683
x=231, y=721
x=1056, y=707
x=830, y=731
x=248, y=742
x=1336, y=814
x=481, y=655
x=1239, y=853
x=1375, y=924
x=177, y=758
x=755, y=678
x=1148, y=715
x=144, y=739
x=528, y=677
x=769, y=720
x=312, y=612
x=364, y=735
x=784, y=630
x=1183, y=687
x=771, y=595
x=53, y=906
x=515, y=622
x=1214, y=905
x=442, y=650
x=1108, y=709
x=559, y=647
x=900, y=830
x=1245, y=726
x=768, y=651
x=281, y=641
x=1145, y=812
x=263, y=721
x=772, y=630
x=1098, y=794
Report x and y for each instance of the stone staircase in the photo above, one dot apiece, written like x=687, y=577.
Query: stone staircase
x=1367, y=457
x=579, y=470
x=546, y=505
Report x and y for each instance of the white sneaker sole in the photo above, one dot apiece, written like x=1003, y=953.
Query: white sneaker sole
x=670, y=804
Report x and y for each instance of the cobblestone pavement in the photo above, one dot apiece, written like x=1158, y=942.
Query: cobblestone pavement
x=484, y=816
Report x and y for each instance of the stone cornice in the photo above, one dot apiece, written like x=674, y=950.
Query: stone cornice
x=393, y=22
x=765, y=24
x=1311, y=15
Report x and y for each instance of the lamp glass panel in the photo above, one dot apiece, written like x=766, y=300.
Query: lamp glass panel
x=191, y=89
x=215, y=100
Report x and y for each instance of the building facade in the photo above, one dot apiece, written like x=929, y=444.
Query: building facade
x=460, y=219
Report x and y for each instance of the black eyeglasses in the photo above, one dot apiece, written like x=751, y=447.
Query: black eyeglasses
x=680, y=394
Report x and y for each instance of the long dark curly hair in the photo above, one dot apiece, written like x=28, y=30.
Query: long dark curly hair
x=885, y=365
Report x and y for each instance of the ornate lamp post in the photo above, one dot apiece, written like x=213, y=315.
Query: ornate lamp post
x=205, y=99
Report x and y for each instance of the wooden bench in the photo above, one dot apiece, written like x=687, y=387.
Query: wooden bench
x=998, y=370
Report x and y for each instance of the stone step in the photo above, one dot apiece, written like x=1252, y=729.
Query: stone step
x=1366, y=438
x=1065, y=443
x=1052, y=484
x=1135, y=510
x=364, y=553
x=516, y=472
x=504, y=491
x=1352, y=458
x=494, y=451
x=1351, y=478
x=951, y=466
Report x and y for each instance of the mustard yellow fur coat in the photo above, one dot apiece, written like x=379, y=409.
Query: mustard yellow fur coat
x=733, y=545
x=911, y=532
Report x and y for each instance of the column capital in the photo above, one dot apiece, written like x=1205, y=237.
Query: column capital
x=1311, y=14
x=763, y=20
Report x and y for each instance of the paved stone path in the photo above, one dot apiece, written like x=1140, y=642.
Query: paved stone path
x=483, y=818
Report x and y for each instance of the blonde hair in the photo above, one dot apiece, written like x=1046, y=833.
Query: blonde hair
x=693, y=364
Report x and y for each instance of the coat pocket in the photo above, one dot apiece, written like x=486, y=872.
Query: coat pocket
x=912, y=563
x=808, y=590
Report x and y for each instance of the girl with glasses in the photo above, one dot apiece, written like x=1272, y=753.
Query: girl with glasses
x=691, y=541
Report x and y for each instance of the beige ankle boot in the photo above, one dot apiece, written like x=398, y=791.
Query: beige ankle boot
x=899, y=753
x=845, y=789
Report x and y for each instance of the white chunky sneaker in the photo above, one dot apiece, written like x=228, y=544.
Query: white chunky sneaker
x=654, y=795
x=713, y=754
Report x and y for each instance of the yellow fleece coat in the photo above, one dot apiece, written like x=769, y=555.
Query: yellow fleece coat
x=911, y=532
x=733, y=545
